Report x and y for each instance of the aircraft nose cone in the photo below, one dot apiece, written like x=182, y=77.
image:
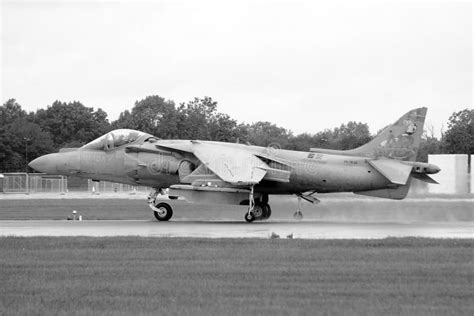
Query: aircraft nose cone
x=46, y=164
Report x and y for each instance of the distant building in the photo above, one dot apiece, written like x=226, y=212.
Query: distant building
x=453, y=177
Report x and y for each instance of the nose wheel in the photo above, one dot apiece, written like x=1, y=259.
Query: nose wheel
x=161, y=210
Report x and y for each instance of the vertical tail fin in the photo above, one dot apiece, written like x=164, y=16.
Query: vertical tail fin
x=400, y=141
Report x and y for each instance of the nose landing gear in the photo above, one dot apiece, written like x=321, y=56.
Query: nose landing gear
x=162, y=211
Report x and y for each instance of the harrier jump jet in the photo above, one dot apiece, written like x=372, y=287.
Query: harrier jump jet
x=210, y=172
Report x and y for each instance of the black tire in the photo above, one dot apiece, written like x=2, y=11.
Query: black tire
x=165, y=212
x=267, y=211
x=258, y=211
x=298, y=216
x=249, y=217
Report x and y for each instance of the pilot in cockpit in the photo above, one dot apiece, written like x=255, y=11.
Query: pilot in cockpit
x=114, y=139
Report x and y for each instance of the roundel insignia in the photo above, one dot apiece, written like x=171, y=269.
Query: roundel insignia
x=155, y=166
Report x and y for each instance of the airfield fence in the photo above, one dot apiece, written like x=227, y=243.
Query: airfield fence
x=26, y=183
x=15, y=182
x=20, y=182
x=47, y=183
x=105, y=186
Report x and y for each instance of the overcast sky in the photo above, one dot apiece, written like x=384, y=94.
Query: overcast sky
x=304, y=65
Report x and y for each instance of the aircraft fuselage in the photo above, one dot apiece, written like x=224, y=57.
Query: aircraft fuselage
x=147, y=166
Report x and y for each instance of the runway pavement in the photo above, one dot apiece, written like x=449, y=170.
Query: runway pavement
x=220, y=229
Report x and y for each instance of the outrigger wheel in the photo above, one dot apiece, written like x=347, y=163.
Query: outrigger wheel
x=298, y=214
x=163, y=211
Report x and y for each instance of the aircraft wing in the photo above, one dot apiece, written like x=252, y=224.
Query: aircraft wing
x=233, y=165
x=237, y=167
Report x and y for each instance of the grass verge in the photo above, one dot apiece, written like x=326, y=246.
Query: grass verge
x=235, y=276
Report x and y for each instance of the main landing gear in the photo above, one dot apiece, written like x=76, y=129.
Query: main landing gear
x=258, y=209
x=162, y=211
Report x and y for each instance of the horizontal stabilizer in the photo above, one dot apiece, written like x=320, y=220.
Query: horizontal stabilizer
x=424, y=177
x=393, y=170
x=392, y=193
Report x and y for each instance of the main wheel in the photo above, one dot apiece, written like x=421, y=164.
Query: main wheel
x=249, y=217
x=258, y=211
x=164, y=211
x=267, y=211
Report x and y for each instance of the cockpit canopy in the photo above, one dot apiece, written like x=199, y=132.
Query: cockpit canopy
x=114, y=139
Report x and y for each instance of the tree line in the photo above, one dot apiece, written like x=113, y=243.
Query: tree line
x=25, y=136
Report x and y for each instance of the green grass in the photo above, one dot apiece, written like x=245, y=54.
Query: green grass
x=235, y=276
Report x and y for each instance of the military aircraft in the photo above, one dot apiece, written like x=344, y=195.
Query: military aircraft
x=209, y=172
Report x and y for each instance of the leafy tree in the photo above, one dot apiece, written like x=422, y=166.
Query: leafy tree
x=195, y=118
x=125, y=120
x=20, y=139
x=428, y=145
x=223, y=128
x=350, y=135
x=10, y=111
x=153, y=115
x=266, y=133
x=301, y=142
x=9, y=159
x=30, y=140
x=72, y=123
x=242, y=133
x=347, y=136
x=459, y=138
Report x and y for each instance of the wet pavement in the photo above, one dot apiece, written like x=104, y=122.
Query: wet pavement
x=306, y=229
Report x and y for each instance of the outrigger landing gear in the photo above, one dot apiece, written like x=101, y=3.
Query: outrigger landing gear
x=258, y=210
x=162, y=211
x=298, y=214
x=307, y=197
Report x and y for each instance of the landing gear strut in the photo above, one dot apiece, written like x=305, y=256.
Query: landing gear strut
x=298, y=214
x=250, y=215
x=307, y=197
x=162, y=211
x=258, y=210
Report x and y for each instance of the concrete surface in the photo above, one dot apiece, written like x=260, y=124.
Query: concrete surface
x=220, y=229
